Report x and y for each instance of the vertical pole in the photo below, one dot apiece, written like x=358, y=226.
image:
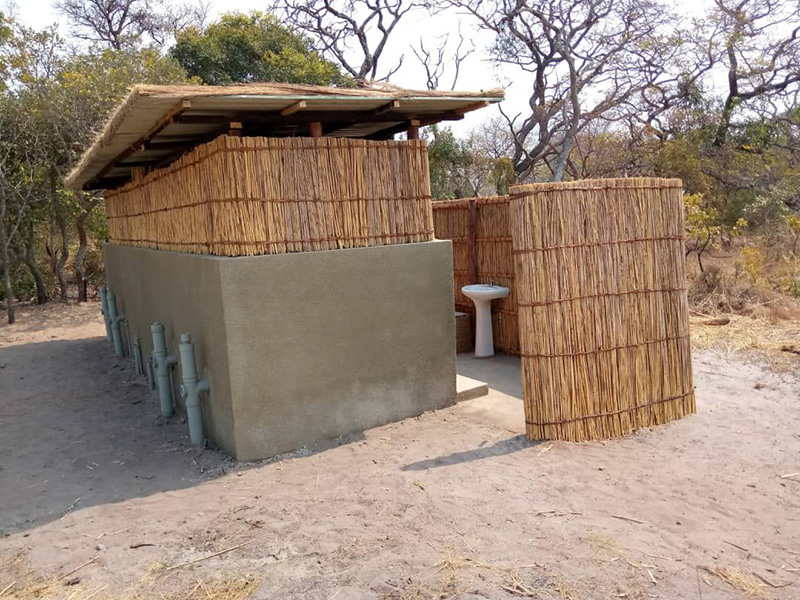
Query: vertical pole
x=472, y=261
x=315, y=129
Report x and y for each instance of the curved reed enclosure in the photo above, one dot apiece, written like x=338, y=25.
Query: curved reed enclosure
x=492, y=257
x=603, y=317
x=241, y=196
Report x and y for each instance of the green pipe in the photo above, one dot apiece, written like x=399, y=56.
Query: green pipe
x=104, y=310
x=116, y=319
x=163, y=363
x=191, y=389
x=151, y=375
x=137, y=355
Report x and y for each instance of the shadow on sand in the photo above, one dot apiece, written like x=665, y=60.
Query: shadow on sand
x=501, y=448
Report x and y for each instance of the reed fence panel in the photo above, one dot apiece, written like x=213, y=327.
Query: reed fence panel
x=603, y=316
x=492, y=255
x=242, y=196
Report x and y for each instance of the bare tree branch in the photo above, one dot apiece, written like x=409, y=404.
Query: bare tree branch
x=354, y=33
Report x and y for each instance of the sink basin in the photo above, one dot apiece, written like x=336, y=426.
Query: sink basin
x=483, y=291
x=482, y=295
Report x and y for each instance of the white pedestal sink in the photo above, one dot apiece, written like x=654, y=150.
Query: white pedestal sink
x=482, y=295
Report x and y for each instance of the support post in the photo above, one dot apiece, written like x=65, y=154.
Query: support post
x=472, y=260
x=315, y=129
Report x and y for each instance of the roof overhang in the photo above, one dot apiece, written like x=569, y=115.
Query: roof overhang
x=155, y=125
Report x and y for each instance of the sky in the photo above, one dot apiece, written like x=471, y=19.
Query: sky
x=477, y=72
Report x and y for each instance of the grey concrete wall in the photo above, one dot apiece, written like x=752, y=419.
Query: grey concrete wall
x=328, y=343
x=302, y=347
x=183, y=292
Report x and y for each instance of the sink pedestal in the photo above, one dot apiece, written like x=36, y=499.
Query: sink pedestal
x=482, y=295
x=484, y=341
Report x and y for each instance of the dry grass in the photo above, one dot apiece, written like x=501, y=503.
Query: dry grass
x=763, y=338
x=457, y=575
x=19, y=582
x=742, y=581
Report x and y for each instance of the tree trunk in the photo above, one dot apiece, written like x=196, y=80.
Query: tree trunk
x=83, y=239
x=62, y=257
x=4, y=258
x=29, y=257
x=80, y=274
x=58, y=259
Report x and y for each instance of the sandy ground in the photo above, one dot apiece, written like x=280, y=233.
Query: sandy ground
x=102, y=498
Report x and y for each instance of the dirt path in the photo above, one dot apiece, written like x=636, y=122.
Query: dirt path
x=439, y=506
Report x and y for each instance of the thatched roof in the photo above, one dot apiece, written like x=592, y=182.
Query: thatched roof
x=156, y=124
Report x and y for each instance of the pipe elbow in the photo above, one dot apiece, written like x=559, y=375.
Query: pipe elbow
x=170, y=359
x=204, y=385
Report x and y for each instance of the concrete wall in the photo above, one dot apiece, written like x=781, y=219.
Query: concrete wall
x=182, y=291
x=306, y=346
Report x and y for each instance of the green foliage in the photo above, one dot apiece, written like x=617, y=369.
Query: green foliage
x=459, y=170
x=446, y=154
x=249, y=48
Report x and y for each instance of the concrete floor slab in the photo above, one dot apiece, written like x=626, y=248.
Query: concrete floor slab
x=502, y=372
x=468, y=388
x=502, y=406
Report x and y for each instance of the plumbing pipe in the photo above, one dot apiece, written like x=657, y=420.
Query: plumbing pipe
x=191, y=389
x=138, y=367
x=104, y=310
x=162, y=363
x=116, y=319
x=149, y=371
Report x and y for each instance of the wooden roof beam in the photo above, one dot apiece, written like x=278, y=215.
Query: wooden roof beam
x=293, y=108
x=470, y=107
x=393, y=105
x=182, y=106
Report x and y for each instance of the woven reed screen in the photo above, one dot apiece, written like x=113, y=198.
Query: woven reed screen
x=251, y=195
x=603, y=316
x=492, y=254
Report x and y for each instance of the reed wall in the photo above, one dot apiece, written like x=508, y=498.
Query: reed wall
x=241, y=196
x=492, y=255
x=601, y=293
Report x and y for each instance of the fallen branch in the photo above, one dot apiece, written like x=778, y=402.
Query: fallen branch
x=631, y=519
x=770, y=584
x=197, y=560
x=8, y=587
x=737, y=546
x=94, y=593
x=76, y=569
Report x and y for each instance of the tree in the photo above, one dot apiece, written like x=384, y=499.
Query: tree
x=21, y=156
x=761, y=55
x=584, y=61
x=251, y=48
x=128, y=23
x=435, y=59
x=84, y=90
x=354, y=33
x=460, y=168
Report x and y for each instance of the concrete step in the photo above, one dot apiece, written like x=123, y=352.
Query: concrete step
x=469, y=389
